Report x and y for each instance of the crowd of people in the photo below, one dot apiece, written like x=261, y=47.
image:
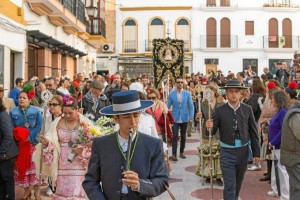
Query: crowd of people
x=265, y=114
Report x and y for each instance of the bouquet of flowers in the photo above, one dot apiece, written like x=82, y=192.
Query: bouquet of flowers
x=105, y=125
x=84, y=141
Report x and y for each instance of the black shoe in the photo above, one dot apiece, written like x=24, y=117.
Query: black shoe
x=219, y=182
x=266, y=178
x=207, y=180
x=266, y=174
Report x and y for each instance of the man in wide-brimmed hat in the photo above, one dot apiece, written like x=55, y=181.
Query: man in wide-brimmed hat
x=147, y=172
x=236, y=124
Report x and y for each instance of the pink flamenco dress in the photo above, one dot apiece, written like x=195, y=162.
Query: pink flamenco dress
x=70, y=174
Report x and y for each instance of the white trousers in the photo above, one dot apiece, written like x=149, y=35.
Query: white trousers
x=283, y=177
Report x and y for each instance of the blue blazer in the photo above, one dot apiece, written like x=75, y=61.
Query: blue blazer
x=107, y=163
x=186, y=110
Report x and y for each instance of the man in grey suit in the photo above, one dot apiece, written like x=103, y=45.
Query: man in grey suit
x=236, y=124
x=147, y=174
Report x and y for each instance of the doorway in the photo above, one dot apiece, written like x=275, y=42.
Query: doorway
x=12, y=69
x=32, y=62
x=211, y=67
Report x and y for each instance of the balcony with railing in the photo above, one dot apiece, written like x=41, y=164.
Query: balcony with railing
x=281, y=4
x=220, y=42
x=285, y=42
x=76, y=7
x=70, y=14
x=130, y=46
x=97, y=27
x=149, y=46
x=219, y=4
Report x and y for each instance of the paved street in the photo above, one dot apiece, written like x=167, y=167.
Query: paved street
x=185, y=185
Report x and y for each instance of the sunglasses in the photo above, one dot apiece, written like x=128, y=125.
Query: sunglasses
x=53, y=104
x=152, y=98
x=179, y=82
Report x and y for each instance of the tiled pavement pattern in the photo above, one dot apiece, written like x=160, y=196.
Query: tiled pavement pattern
x=185, y=185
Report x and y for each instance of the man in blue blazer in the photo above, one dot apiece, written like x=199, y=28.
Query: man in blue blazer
x=183, y=112
x=147, y=174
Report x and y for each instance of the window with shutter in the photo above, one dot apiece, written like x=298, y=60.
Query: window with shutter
x=225, y=33
x=130, y=36
x=156, y=31
x=183, y=32
x=211, y=33
x=287, y=32
x=249, y=28
x=273, y=33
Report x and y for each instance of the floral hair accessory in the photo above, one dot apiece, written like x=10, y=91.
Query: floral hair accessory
x=293, y=85
x=149, y=90
x=271, y=85
x=29, y=90
x=68, y=100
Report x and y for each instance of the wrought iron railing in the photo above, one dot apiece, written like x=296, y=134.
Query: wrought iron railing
x=130, y=46
x=76, y=7
x=97, y=27
x=149, y=46
x=218, y=41
x=275, y=41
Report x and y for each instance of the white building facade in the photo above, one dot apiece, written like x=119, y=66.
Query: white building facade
x=218, y=34
x=12, y=42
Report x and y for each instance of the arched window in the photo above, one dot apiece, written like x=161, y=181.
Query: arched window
x=273, y=33
x=225, y=33
x=183, y=32
x=287, y=32
x=156, y=31
x=130, y=36
x=211, y=33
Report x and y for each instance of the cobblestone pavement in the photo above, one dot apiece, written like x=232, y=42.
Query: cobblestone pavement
x=185, y=185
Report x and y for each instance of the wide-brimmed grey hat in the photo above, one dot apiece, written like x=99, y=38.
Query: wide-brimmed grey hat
x=126, y=102
x=233, y=83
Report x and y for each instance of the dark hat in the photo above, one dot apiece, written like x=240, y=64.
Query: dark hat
x=126, y=102
x=234, y=83
x=97, y=85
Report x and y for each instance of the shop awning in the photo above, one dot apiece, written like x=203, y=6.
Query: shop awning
x=43, y=40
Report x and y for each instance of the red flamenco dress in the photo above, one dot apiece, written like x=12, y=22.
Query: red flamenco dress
x=25, y=171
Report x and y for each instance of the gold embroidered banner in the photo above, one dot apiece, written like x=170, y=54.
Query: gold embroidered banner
x=167, y=59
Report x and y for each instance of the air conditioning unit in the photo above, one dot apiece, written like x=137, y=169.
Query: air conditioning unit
x=108, y=48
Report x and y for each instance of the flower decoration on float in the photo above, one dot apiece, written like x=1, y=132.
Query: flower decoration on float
x=271, y=85
x=68, y=100
x=29, y=90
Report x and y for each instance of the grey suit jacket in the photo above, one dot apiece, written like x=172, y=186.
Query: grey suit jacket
x=107, y=163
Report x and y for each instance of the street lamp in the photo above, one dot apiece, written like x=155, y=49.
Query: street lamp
x=91, y=10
